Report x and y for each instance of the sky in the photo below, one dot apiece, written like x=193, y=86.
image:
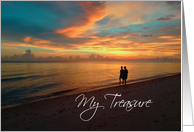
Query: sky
x=114, y=29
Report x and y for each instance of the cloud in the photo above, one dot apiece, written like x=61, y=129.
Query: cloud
x=89, y=27
x=146, y=28
x=171, y=39
x=166, y=37
x=163, y=19
x=94, y=11
x=165, y=29
x=98, y=57
x=146, y=36
x=175, y=6
x=173, y=3
x=134, y=34
x=36, y=41
x=166, y=18
x=28, y=56
x=28, y=40
x=177, y=27
x=131, y=12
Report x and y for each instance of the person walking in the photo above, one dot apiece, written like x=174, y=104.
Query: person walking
x=121, y=74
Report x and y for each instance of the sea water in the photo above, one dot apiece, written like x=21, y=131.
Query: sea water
x=24, y=82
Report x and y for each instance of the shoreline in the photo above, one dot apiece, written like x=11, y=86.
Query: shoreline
x=62, y=113
x=12, y=103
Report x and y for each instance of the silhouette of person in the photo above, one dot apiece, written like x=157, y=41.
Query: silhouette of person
x=121, y=74
x=125, y=74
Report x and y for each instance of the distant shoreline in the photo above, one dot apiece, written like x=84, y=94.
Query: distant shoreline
x=140, y=61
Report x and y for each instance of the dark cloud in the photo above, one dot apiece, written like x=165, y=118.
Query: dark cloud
x=98, y=48
x=173, y=3
x=164, y=19
x=134, y=34
x=146, y=28
x=146, y=36
x=97, y=57
x=165, y=59
x=29, y=56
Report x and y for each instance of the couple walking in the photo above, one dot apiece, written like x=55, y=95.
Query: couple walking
x=123, y=74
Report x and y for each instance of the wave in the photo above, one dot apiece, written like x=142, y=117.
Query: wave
x=26, y=77
x=3, y=76
x=29, y=99
x=17, y=78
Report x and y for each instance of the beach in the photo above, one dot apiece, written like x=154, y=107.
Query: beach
x=62, y=113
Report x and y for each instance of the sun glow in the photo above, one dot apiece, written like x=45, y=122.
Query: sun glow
x=117, y=29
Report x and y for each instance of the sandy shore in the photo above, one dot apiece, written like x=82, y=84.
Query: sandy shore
x=62, y=113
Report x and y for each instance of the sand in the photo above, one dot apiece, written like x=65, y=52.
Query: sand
x=62, y=113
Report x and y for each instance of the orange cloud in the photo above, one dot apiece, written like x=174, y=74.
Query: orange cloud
x=33, y=42
x=94, y=11
x=166, y=37
x=177, y=27
x=166, y=30
x=132, y=12
x=36, y=41
x=46, y=54
x=110, y=45
x=43, y=43
x=172, y=39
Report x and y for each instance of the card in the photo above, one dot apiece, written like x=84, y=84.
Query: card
x=94, y=66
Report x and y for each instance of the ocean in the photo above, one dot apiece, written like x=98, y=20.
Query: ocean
x=24, y=82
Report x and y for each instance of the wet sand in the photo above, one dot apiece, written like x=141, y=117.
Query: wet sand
x=62, y=113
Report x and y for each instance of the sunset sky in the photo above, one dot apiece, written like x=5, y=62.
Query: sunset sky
x=116, y=29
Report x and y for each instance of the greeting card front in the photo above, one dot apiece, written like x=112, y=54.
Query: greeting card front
x=91, y=65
